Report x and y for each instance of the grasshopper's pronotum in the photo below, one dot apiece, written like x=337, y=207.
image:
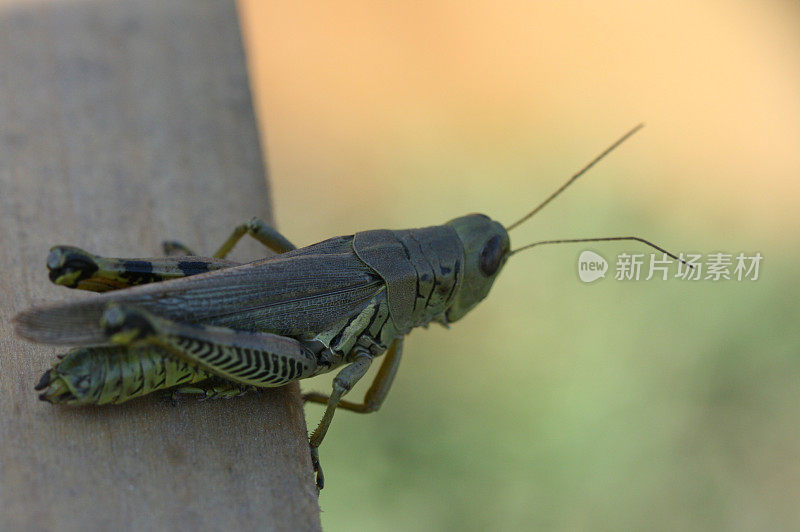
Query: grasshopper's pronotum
x=218, y=328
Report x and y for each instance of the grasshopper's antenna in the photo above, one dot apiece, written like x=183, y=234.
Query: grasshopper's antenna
x=583, y=170
x=602, y=239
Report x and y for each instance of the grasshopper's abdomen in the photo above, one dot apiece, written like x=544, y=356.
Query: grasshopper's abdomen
x=102, y=375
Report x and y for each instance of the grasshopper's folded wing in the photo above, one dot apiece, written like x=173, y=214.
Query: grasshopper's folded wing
x=295, y=294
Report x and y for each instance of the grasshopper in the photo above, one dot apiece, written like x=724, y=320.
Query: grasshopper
x=210, y=326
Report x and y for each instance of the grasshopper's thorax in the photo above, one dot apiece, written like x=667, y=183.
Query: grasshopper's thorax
x=370, y=330
x=422, y=270
x=434, y=273
x=486, y=248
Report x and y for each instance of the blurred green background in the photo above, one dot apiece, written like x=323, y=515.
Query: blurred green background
x=555, y=404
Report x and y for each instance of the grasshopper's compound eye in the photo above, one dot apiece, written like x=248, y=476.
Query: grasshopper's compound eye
x=491, y=256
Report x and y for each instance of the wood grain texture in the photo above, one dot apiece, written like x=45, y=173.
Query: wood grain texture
x=123, y=123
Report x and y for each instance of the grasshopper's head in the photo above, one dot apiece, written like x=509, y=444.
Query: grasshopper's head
x=486, y=249
x=487, y=246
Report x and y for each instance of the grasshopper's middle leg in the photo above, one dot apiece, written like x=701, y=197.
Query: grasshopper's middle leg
x=259, y=230
x=343, y=383
x=379, y=388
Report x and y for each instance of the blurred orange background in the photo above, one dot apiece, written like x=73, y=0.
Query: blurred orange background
x=377, y=114
x=342, y=87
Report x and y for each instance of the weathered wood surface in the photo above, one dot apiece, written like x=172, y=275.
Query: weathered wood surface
x=123, y=123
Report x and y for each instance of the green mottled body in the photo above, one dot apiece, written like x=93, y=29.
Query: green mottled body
x=365, y=291
x=210, y=326
x=113, y=375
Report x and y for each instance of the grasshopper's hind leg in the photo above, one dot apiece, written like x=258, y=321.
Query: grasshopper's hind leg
x=256, y=359
x=173, y=248
x=213, y=388
x=247, y=358
x=75, y=268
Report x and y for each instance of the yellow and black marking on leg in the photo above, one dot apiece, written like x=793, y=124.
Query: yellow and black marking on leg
x=102, y=375
x=75, y=268
x=255, y=359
